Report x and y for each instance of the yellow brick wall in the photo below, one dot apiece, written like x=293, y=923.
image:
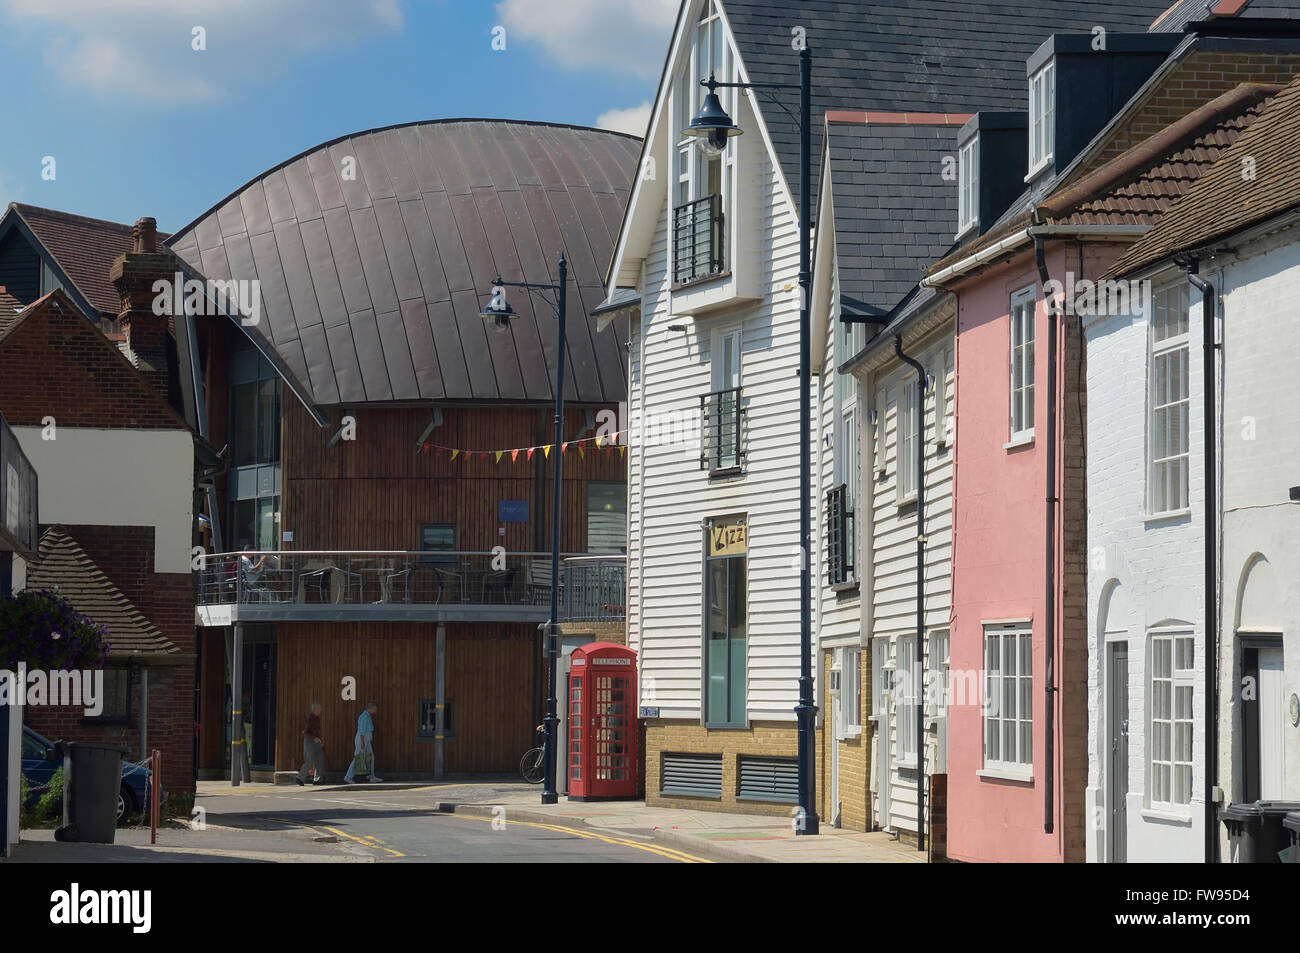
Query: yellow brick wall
x=854, y=759
x=769, y=739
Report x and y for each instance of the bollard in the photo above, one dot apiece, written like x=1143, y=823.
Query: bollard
x=155, y=768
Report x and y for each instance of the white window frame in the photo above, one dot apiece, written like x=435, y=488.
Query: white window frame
x=906, y=701
x=1042, y=115
x=1023, y=314
x=941, y=437
x=1014, y=648
x=1169, y=305
x=938, y=646
x=847, y=453
x=905, y=418
x=849, y=662
x=690, y=166
x=968, y=186
x=1175, y=672
x=727, y=375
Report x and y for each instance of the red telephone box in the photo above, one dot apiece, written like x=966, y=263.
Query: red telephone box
x=603, y=734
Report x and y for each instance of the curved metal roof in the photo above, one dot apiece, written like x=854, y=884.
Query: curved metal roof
x=372, y=282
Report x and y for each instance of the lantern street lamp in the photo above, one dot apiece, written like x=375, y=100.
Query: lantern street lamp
x=714, y=128
x=500, y=313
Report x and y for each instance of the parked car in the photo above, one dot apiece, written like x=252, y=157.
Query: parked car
x=39, y=765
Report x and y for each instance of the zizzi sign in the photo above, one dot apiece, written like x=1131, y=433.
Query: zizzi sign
x=728, y=539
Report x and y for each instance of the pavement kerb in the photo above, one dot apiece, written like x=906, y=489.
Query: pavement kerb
x=685, y=842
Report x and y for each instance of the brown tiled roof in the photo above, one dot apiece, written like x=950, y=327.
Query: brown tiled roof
x=85, y=249
x=1139, y=186
x=65, y=569
x=1226, y=200
x=9, y=307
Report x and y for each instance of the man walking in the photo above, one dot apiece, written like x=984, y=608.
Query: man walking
x=313, y=747
x=364, y=744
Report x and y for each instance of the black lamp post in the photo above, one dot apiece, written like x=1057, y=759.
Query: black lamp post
x=498, y=311
x=714, y=127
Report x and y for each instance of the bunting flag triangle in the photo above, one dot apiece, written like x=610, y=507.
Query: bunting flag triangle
x=581, y=452
x=622, y=451
x=531, y=451
x=546, y=451
x=455, y=454
x=564, y=447
x=499, y=453
x=514, y=456
x=598, y=440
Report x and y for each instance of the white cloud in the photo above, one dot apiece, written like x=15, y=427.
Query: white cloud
x=622, y=36
x=633, y=120
x=142, y=49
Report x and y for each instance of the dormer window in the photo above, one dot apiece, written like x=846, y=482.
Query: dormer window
x=968, y=174
x=1042, y=117
x=703, y=199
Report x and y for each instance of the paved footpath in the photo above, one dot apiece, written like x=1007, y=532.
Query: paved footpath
x=720, y=836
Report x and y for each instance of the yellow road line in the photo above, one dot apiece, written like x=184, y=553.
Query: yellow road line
x=365, y=843
x=668, y=852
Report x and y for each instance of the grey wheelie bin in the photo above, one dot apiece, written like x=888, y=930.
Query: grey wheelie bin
x=1256, y=831
x=92, y=777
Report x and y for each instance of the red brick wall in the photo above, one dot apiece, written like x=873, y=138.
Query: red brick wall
x=125, y=554
x=59, y=365
x=1194, y=82
x=171, y=725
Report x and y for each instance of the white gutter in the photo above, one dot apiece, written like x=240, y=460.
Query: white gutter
x=1023, y=237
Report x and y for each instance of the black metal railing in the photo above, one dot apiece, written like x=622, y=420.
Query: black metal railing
x=697, y=239
x=839, y=536
x=721, y=445
x=318, y=577
x=18, y=503
x=594, y=589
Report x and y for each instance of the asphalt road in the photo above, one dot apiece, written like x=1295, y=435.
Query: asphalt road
x=402, y=826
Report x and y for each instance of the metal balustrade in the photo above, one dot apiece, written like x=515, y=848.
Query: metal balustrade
x=721, y=444
x=591, y=588
x=697, y=239
x=594, y=589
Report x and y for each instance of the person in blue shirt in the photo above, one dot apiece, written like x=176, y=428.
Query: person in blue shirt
x=364, y=741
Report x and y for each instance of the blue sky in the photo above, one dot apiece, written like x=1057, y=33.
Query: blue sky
x=138, y=122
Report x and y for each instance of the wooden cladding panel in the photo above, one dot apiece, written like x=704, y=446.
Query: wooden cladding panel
x=491, y=680
x=212, y=696
x=375, y=492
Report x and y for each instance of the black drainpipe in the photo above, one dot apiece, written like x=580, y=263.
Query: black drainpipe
x=919, y=672
x=1208, y=321
x=1049, y=565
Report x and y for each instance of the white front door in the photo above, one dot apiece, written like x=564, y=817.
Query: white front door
x=1272, y=712
x=879, y=657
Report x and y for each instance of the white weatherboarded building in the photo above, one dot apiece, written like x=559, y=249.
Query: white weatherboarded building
x=711, y=248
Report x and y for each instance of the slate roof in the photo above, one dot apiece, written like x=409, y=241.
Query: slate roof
x=372, y=286
x=1139, y=186
x=1224, y=201
x=65, y=569
x=85, y=248
x=894, y=213
x=908, y=55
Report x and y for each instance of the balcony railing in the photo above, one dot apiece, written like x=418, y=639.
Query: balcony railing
x=840, y=544
x=594, y=589
x=721, y=446
x=324, y=584
x=18, y=503
x=697, y=239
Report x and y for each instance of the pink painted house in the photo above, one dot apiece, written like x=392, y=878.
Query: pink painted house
x=1019, y=704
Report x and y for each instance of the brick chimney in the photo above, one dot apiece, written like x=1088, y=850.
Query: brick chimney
x=133, y=275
